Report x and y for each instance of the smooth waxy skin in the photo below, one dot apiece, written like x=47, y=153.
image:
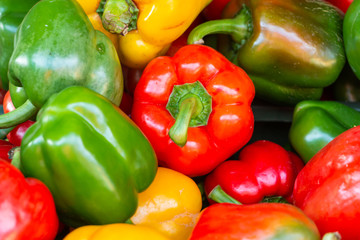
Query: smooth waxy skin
x=92, y=157
x=12, y=13
x=56, y=47
x=273, y=221
x=316, y=123
x=352, y=36
x=290, y=49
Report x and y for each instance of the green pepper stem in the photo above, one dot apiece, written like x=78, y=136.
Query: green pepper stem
x=120, y=16
x=239, y=27
x=218, y=195
x=178, y=132
x=18, y=115
x=15, y=157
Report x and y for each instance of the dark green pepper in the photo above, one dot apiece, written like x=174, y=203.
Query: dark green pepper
x=90, y=155
x=291, y=49
x=12, y=13
x=347, y=87
x=56, y=47
x=316, y=123
x=351, y=30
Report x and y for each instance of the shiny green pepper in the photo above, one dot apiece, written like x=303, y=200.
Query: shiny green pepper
x=90, y=155
x=316, y=123
x=12, y=13
x=291, y=49
x=351, y=30
x=56, y=47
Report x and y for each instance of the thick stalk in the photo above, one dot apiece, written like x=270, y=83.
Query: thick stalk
x=19, y=115
x=218, y=195
x=178, y=132
x=120, y=16
x=240, y=28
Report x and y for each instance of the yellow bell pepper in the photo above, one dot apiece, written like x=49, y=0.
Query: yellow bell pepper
x=115, y=232
x=153, y=24
x=90, y=7
x=171, y=204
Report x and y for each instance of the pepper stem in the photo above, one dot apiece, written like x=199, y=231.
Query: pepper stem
x=332, y=236
x=190, y=105
x=240, y=28
x=178, y=132
x=18, y=115
x=218, y=195
x=120, y=16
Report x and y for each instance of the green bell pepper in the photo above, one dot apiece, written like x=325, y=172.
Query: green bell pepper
x=12, y=13
x=90, y=155
x=347, y=87
x=316, y=123
x=351, y=29
x=291, y=49
x=56, y=47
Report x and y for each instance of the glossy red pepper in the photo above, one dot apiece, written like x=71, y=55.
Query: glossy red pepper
x=8, y=105
x=327, y=188
x=214, y=9
x=27, y=209
x=264, y=169
x=194, y=108
x=343, y=5
x=16, y=135
x=5, y=147
x=225, y=221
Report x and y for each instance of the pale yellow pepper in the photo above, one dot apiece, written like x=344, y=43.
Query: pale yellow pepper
x=159, y=23
x=115, y=232
x=170, y=205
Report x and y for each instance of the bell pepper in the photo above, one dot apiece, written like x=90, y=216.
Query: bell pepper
x=316, y=123
x=226, y=221
x=327, y=188
x=91, y=9
x=12, y=13
x=148, y=27
x=5, y=147
x=214, y=9
x=343, y=5
x=27, y=209
x=264, y=170
x=290, y=49
x=351, y=31
x=56, y=47
x=16, y=135
x=91, y=156
x=347, y=87
x=170, y=204
x=115, y=232
x=194, y=108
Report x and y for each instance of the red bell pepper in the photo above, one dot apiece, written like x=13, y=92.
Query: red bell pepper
x=225, y=221
x=16, y=135
x=264, y=169
x=214, y=9
x=27, y=208
x=8, y=105
x=194, y=108
x=327, y=188
x=5, y=147
x=343, y=5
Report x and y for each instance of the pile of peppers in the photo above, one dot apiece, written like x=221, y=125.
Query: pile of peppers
x=179, y=120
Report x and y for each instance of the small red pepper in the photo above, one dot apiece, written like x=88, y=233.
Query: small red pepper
x=343, y=5
x=8, y=105
x=225, y=221
x=27, y=208
x=5, y=147
x=16, y=135
x=194, y=108
x=327, y=188
x=264, y=169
